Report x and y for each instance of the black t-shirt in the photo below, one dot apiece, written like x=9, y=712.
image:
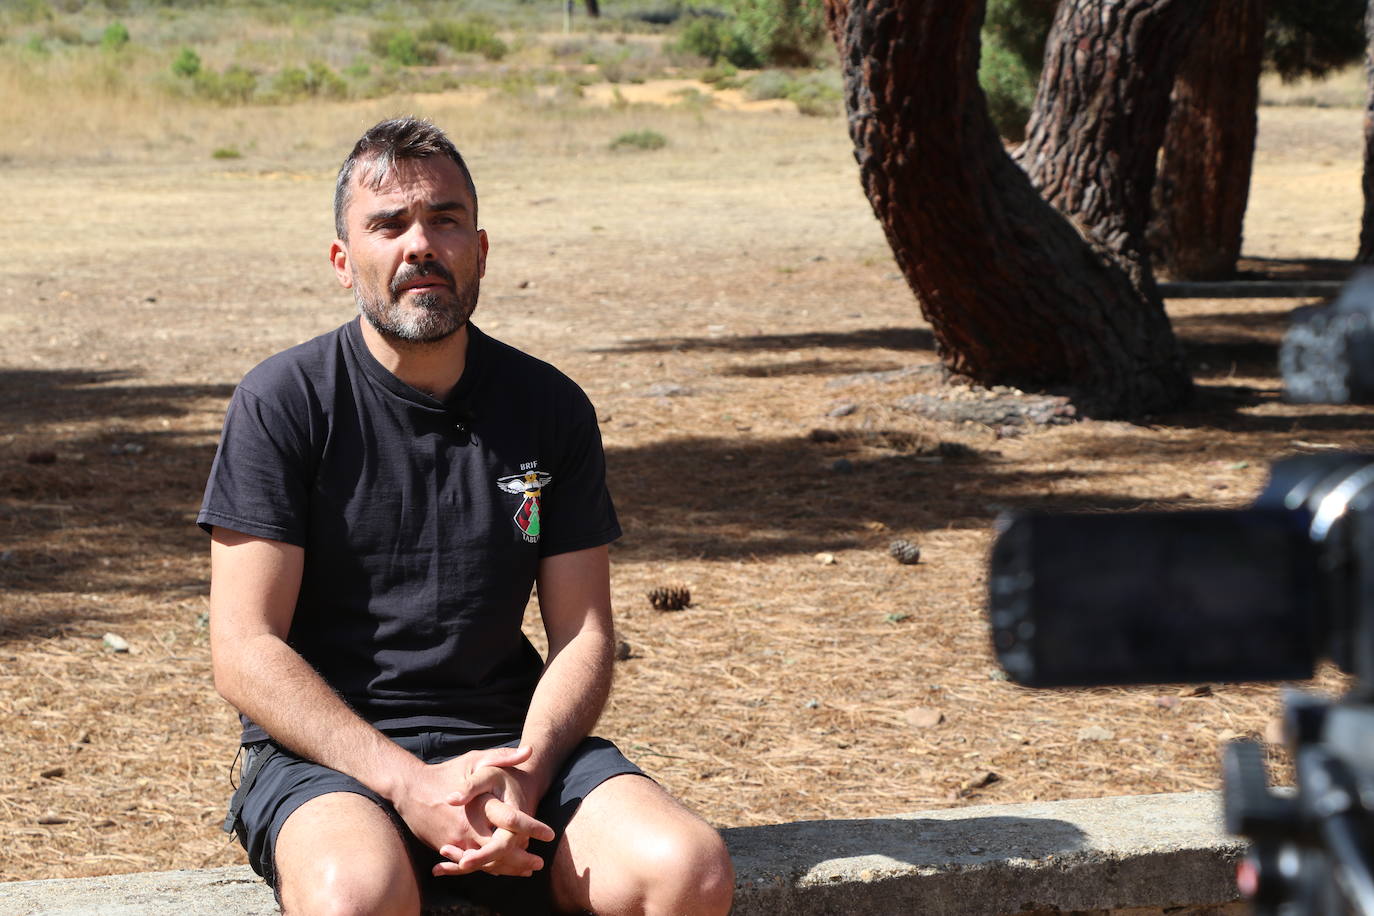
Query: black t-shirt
x=423, y=522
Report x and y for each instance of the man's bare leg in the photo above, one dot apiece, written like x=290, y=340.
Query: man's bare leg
x=341, y=854
x=632, y=848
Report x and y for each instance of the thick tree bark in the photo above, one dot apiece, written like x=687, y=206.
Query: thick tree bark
x=594, y=9
x=1209, y=146
x=1100, y=113
x=1366, y=253
x=1014, y=292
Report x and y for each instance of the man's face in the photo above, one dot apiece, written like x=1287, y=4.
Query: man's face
x=414, y=256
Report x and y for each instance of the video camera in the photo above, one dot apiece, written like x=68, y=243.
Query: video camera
x=1258, y=594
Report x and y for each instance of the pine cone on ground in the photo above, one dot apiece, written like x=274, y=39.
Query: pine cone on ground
x=670, y=597
x=904, y=552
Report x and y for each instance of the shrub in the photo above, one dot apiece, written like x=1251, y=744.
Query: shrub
x=471, y=36
x=770, y=84
x=715, y=40
x=640, y=139
x=322, y=81
x=226, y=152
x=721, y=75
x=817, y=94
x=401, y=47
x=27, y=12
x=290, y=83
x=237, y=84
x=316, y=81
x=187, y=63
x=114, y=37
x=787, y=33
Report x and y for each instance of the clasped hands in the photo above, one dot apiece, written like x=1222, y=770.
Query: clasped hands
x=484, y=824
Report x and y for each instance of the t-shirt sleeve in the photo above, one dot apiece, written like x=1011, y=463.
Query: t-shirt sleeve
x=578, y=510
x=259, y=482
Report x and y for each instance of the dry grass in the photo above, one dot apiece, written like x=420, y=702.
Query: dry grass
x=717, y=299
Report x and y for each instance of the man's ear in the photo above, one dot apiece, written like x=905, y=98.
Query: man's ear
x=338, y=256
x=482, y=257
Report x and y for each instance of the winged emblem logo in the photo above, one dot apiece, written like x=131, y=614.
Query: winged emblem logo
x=529, y=485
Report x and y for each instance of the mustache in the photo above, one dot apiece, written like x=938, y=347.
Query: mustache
x=430, y=269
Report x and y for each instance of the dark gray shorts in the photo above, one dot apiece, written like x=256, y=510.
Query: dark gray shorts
x=275, y=782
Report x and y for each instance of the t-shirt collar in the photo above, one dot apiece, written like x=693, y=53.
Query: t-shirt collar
x=478, y=344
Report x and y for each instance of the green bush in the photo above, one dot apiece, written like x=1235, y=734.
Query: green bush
x=470, y=36
x=28, y=12
x=187, y=63
x=322, y=81
x=317, y=81
x=715, y=40
x=114, y=37
x=402, y=47
x=721, y=75
x=290, y=83
x=226, y=152
x=785, y=33
x=819, y=94
x=640, y=139
x=237, y=84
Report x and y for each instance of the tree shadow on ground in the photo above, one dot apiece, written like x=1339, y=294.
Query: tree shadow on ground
x=864, y=339
x=720, y=498
x=32, y=399
x=1295, y=269
x=100, y=478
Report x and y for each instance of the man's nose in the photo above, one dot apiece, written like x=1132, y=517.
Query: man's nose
x=419, y=246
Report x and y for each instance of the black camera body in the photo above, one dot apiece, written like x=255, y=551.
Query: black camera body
x=1260, y=594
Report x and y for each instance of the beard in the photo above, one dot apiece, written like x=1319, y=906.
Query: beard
x=429, y=317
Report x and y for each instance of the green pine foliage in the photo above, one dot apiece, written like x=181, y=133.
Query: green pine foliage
x=1013, y=52
x=1310, y=38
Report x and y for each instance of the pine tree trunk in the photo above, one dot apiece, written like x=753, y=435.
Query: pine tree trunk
x=1014, y=293
x=1100, y=113
x=1209, y=146
x=1366, y=253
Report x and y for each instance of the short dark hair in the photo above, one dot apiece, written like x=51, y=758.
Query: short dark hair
x=381, y=147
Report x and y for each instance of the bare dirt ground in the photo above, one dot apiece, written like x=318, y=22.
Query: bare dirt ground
x=720, y=300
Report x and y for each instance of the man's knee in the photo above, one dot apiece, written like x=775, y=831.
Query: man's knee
x=631, y=848
x=687, y=871
x=341, y=855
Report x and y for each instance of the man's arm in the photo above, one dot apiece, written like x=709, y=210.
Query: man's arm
x=254, y=583
x=575, y=604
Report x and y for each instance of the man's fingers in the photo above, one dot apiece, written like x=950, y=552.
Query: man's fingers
x=479, y=782
x=498, y=857
x=502, y=856
x=512, y=819
x=501, y=757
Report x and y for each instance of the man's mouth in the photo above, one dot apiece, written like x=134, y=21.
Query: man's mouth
x=430, y=280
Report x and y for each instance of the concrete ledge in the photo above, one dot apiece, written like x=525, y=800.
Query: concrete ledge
x=1141, y=853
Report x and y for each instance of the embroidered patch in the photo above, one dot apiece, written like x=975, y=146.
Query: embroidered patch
x=530, y=484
